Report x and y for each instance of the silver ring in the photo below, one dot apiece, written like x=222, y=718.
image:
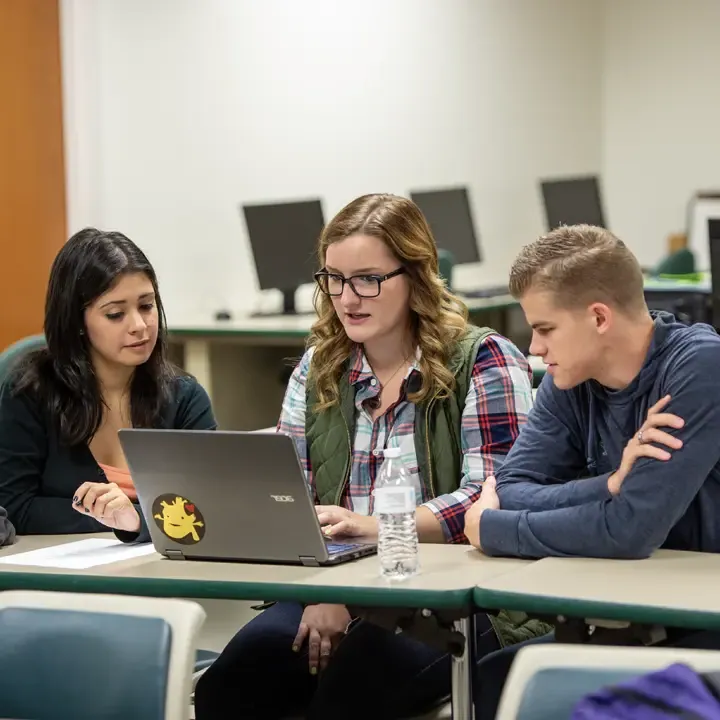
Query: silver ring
x=640, y=437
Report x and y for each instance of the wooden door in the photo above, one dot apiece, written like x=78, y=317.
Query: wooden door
x=32, y=173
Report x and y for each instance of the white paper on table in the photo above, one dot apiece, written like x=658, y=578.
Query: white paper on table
x=80, y=555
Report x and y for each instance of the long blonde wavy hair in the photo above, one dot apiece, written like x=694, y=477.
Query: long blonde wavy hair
x=439, y=318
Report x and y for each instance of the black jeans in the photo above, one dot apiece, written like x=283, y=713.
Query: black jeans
x=372, y=673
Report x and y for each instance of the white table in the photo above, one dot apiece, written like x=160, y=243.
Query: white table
x=671, y=588
x=447, y=579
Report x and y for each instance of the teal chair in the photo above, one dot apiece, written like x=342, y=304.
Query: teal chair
x=681, y=262
x=547, y=680
x=85, y=656
x=12, y=354
x=446, y=261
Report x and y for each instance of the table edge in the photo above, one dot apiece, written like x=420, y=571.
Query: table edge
x=607, y=610
x=394, y=596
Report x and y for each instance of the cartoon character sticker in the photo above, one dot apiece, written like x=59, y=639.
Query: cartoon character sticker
x=179, y=519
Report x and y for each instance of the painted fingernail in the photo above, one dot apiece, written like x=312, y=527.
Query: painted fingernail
x=86, y=510
x=313, y=671
x=295, y=648
x=75, y=499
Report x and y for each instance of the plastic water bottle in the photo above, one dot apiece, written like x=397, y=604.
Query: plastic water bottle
x=395, y=509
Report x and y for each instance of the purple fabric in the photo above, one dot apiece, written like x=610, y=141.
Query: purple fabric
x=675, y=692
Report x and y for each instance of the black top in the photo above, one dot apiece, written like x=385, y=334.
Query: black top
x=39, y=475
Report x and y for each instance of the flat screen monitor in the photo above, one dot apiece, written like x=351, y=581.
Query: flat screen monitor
x=572, y=201
x=283, y=239
x=448, y=214
x=714, y=239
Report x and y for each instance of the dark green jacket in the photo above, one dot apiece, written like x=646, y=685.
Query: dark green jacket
x=438, y=447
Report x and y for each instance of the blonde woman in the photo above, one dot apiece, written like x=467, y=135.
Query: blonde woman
x=391, y=362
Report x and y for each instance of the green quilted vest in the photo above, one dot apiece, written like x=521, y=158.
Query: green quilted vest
x=330, y=434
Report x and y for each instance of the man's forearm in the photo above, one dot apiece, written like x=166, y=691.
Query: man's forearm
x=531, y=493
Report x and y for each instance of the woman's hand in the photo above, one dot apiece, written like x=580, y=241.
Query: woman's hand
x=340, y=522
x=323, y=626
x=108, y=504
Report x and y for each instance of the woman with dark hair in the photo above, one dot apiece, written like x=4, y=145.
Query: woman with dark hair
x=105, y=367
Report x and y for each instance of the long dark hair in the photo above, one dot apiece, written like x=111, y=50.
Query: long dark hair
x=62, y=374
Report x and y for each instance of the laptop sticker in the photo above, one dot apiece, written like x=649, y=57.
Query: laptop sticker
x=179, y=519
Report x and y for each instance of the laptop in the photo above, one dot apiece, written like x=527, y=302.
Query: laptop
x=231, y=496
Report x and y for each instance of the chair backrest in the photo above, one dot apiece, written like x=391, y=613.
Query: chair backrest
x=14, y=352
x=446, y=263
x=89, y=656
x=680, y=262
x=547, y=680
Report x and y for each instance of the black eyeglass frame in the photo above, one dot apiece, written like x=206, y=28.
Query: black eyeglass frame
x=380, y=279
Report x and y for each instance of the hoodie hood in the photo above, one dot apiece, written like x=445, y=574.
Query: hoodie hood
x=669, y=337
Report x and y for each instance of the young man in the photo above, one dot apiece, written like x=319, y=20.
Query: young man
x=621, y=452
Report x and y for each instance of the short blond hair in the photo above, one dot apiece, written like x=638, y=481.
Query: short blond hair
x=580, y=264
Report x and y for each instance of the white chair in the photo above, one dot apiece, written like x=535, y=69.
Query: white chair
x=88, y=656
x=547, y=680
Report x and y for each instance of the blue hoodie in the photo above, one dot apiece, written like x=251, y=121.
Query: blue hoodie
x=581, y=433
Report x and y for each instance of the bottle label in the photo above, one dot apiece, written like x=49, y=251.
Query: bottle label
x=389, y=501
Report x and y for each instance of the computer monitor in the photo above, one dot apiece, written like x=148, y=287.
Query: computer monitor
x=448, y=214
x=572, y=201
x=283, y=239
x=714, y=239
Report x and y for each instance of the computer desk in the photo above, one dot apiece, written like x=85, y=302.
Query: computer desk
x=688, y=299
x=671, y=588
x=240, y=362
x=446, y=582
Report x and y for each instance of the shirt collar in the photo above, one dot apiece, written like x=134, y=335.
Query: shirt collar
x=360, y=370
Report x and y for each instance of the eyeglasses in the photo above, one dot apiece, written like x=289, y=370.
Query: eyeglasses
x=364, y=286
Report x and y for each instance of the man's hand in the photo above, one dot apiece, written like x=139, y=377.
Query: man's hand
x=489, y=500
x=323, y=626
x=641, y=443
x=340, y=522
x=108, y=504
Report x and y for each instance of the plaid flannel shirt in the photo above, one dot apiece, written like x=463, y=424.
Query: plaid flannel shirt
x=496, y=407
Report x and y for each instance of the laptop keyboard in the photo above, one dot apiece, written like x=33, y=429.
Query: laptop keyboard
x=333, y=548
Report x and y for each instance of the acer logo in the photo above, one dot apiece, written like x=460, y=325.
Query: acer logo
x=283, y=498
